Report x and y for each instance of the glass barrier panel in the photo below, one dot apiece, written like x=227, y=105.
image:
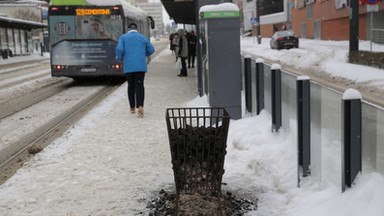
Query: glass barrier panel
x=24, y=42
x=16, y=33
x=325, y=135
x=11, y=44
x=289, y=105
x=372, y=139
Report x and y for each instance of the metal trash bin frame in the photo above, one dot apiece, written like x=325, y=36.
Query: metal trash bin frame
x=198, y=140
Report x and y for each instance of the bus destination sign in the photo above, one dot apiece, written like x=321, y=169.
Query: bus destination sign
x=92, y=11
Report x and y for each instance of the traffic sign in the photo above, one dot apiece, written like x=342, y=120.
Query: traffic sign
x=254, y=20
x=372, y=8
x=371, y=1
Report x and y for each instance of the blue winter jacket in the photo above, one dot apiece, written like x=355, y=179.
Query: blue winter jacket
x=133, y=49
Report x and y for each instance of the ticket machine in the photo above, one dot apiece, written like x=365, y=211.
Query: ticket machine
x=219, y=41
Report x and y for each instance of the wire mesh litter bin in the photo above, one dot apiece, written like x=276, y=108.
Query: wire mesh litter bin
x=197, y=138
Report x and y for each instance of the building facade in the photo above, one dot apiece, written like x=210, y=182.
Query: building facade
x=319, y=19
x=21, y=28
x=330, y=19
x=249, y=12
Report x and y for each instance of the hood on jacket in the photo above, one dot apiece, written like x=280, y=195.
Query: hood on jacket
x=180, y=32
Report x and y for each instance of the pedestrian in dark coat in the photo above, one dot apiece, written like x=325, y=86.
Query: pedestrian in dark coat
x=192, y=40
x=171, y=46
x=182, y=52
x=175, y=43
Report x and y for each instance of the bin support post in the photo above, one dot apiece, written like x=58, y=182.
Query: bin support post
x=259, y=85
x=303, y=125
x=248, y=83
x=351, y=145
x=276, y=97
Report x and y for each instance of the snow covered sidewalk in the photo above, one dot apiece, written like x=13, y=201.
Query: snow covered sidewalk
x=110, y=162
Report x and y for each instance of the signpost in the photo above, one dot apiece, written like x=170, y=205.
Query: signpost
x=371, y=2
x=354, y=26
x=354, y=21
x=255, y=22
x=174, y=25
x=372, y=6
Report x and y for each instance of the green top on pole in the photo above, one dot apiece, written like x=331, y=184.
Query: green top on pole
x=219, y=14
x=224, y=10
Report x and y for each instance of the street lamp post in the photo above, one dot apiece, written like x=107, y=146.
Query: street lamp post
x=354, y=26
x=258, y=18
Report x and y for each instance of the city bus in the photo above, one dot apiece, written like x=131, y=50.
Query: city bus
x=83, y=35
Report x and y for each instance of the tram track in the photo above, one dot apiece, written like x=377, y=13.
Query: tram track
x=19, y=80
x=24, y=101
x=16, y=66
x=17, y=152
x=35, y=109
x=20, y=72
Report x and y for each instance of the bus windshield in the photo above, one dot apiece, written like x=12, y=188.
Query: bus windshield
x=77, y=25
x=84, y=35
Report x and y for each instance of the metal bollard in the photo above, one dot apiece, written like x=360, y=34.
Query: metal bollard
x=248, y=83
x=351, y=137
x=276, y=97
x=304, y=124
x=259, y=85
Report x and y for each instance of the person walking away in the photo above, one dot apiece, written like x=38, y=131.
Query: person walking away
x=175, y=43
x=182, y=52
x=192, y=39
x=134, y=49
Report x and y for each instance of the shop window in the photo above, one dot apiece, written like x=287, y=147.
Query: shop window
x=3, y=38
x=11, y=40
x=310, y=11
x=340, y=4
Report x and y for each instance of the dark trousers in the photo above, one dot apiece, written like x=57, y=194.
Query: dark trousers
x=191, y=59
x=183, y=70
x=135, y=88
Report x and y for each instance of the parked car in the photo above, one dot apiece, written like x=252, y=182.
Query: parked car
x=284, y=39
